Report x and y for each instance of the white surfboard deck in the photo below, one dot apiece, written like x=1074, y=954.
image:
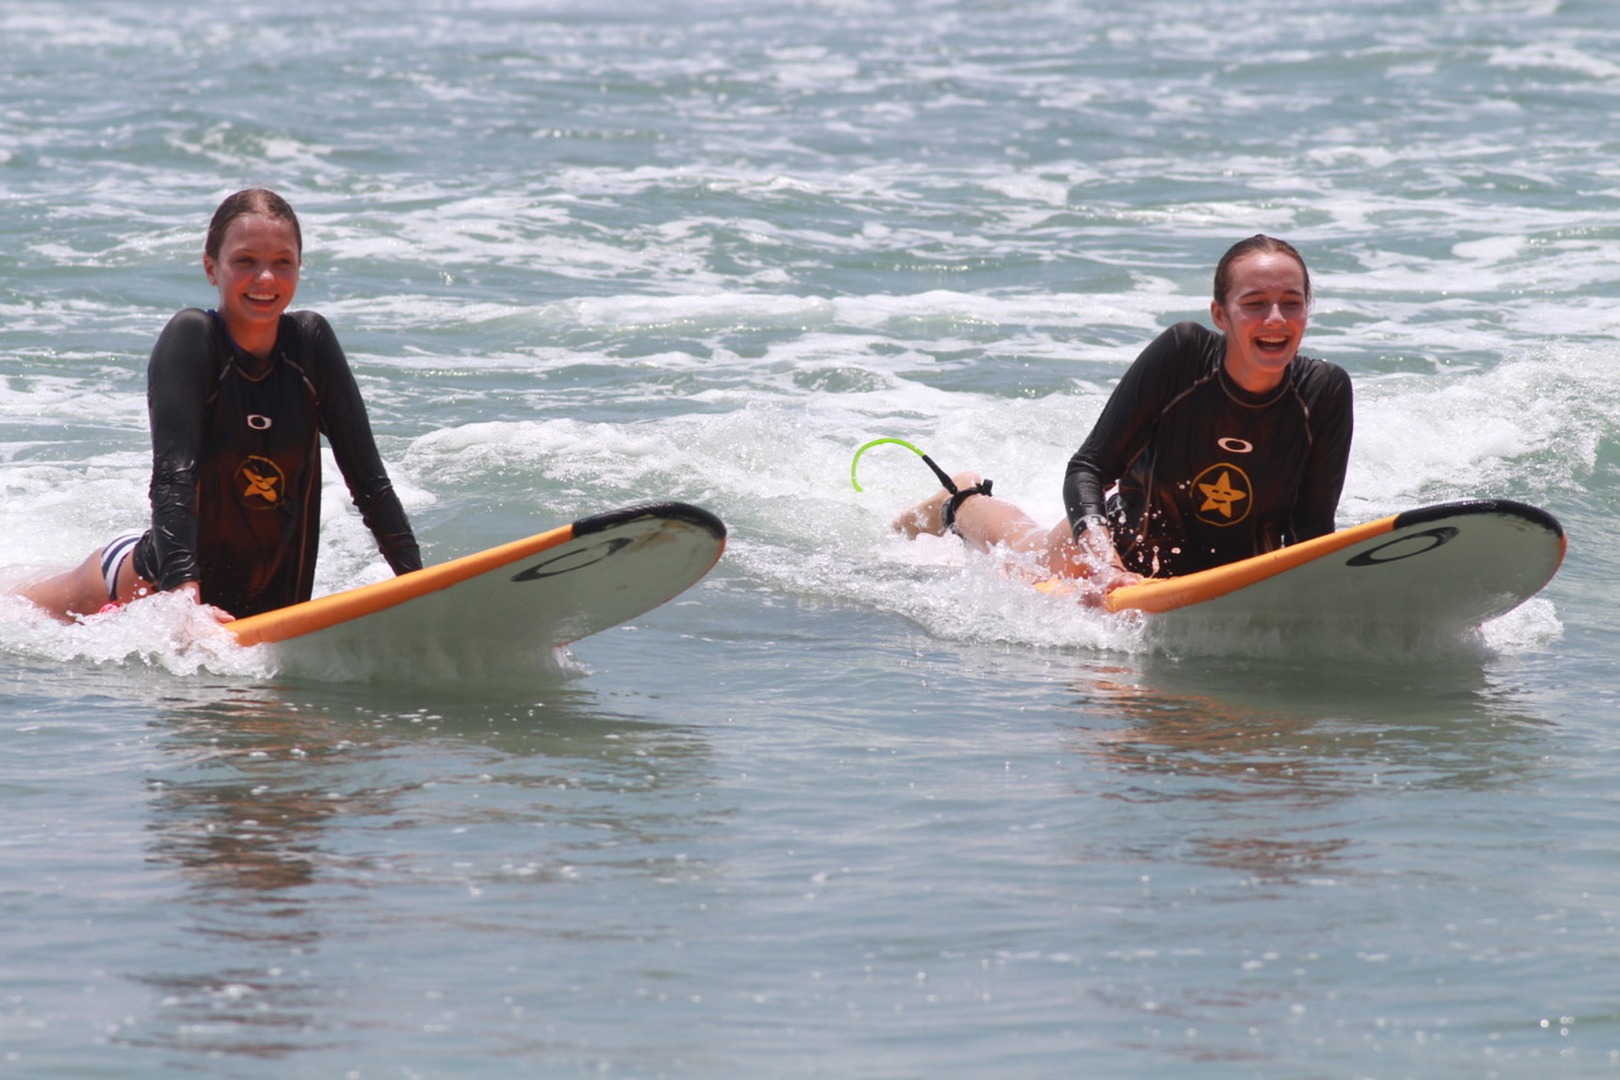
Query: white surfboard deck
x=528, y=596
x=1438, y=568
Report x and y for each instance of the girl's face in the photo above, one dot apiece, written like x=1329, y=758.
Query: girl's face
x=256, y=274
x=1263, y=318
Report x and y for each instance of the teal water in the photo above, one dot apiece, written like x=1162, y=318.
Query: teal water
x=852, y=807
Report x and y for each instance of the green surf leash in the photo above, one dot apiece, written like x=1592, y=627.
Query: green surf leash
x=944, y=477
x=948, y=511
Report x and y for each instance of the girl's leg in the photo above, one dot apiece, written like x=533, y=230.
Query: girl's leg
x=78, y=591
x=926, y=516
x=985, y=522
x=82, y=590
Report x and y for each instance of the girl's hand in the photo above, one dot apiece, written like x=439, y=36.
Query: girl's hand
x=1091, y=560
x=1100, y=559
x=1114, y=577
x=194, y=590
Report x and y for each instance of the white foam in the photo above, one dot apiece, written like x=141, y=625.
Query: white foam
x=164, y=633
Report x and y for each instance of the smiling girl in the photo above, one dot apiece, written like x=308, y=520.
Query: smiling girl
x=238, y=398
x=1213, y=447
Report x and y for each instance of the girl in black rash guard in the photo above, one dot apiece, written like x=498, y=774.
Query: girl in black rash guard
x=238, y=400
x=1218, y=446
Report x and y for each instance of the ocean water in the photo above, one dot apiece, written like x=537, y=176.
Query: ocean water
x=852, y=807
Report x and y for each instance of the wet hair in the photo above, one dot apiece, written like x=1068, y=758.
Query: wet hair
x=1257, y=243
x=251, y=201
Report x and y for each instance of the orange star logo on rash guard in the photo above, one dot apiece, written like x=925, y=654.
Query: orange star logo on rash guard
x=1222, y=495
x=262, y=483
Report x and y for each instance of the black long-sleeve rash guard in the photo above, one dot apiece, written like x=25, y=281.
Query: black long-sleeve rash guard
x=236, y=462
x=1207, y=472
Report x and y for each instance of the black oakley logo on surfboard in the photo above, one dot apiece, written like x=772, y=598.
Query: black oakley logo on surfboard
x=578, y=559
x=1405, y=547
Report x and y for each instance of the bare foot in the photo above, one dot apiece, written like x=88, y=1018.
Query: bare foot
x=922, y=518
x=926, y=516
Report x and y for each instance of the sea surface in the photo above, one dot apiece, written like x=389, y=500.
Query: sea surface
x=853, y=807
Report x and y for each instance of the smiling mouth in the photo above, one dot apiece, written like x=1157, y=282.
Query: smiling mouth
x=1272, y=344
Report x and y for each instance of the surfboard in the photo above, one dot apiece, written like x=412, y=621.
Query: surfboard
x=535, y=594
x=1444, y=567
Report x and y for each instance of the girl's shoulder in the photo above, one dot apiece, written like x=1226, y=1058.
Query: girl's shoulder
x=190, y=321
x=311, y=338
x=1182, y=352
x=190, y=342
x=309, y=324
x=1312, y=374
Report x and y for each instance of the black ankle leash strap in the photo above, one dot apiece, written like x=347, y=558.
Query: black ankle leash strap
x=947, y=513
